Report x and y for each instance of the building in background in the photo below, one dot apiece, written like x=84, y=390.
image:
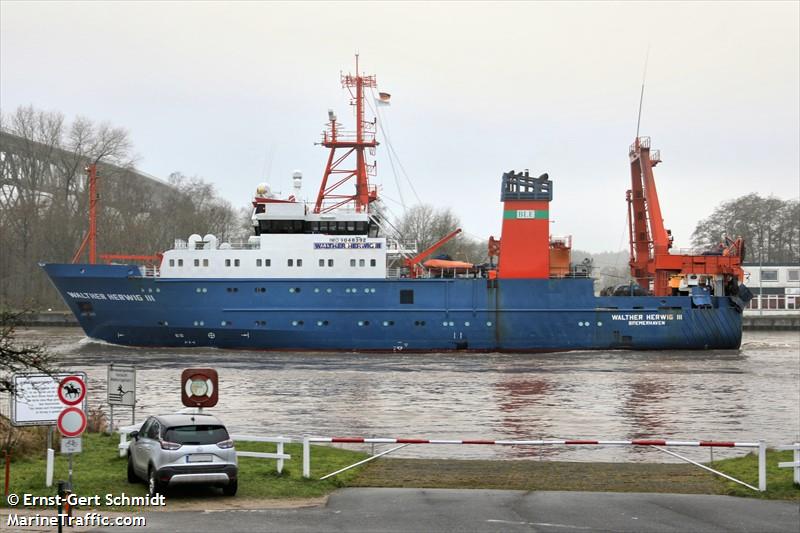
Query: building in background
x=776, y=288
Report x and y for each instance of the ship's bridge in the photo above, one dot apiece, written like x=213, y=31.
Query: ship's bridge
x=284, y=216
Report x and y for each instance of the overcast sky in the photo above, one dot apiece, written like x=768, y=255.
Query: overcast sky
x=238, y=92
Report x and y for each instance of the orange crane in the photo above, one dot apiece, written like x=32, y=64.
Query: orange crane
x=413, y=264
x=652, y=265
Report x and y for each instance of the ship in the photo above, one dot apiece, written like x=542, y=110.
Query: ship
x=327, y=275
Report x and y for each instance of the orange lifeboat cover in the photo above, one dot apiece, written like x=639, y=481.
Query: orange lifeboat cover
x=443, y=263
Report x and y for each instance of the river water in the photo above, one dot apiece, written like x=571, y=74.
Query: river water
x=744, y=395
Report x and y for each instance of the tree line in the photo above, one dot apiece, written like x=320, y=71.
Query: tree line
x=44, y=201
x=769, y=226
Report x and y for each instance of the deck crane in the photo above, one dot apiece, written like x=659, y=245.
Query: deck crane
x=413, y=264
x=653, y=267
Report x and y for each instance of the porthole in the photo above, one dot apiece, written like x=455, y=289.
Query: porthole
x=223, y=323
x=197, y=289
x=366, y=290
x=360, y=322
x=316, y=289
x=444, y=323
x=580, y=324
x=599, y=323
x=291, y=289
x=347, y=290
x=489, y=324
x=329, y=290
x=466, y=324
x=372, y=291
x=205, y=290
x=158, y=290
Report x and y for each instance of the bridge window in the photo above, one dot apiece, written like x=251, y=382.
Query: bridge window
x=362, y=263
x=290, y=262
x=299, y=262
x=330, y=262
x=352, y=262
x=205, y=262
x=227, y=262
x=267, y=262
x=172, y=262
x=180, y=262
x=258, y=262
x=322, y=262
x=197, y=262
x=407, y=296
x=236, y=262
x=373, y=262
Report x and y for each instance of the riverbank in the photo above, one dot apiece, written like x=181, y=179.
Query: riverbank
x=99, y=470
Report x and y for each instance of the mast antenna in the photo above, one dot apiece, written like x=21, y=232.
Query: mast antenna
x=641, y=94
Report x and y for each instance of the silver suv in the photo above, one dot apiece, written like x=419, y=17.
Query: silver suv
x=177, y=449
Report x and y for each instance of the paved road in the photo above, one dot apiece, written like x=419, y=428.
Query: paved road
x=357, y=510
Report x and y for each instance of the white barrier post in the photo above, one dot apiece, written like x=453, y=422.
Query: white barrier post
x=796, y=457
x=123, y=438
x=51, y=455
x=280, y=451
x=762, y=466
x=306, y=458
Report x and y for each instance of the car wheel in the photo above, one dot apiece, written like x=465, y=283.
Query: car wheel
x=230, y=488
x=131, y=473
x=153, y=485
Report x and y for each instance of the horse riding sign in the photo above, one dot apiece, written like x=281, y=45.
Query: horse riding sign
x=71, y=390
x=37, y=402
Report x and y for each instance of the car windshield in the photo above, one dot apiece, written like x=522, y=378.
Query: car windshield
x=196, y=434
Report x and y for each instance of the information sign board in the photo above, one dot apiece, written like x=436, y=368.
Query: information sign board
x=36, y=400
x=121, y=385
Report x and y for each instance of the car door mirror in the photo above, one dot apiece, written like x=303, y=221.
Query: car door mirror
x=134, y=435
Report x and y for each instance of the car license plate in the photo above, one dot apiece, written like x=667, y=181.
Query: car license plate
x=199, y=458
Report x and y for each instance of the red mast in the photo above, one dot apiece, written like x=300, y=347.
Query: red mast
x=91, y=237
x=351, y=142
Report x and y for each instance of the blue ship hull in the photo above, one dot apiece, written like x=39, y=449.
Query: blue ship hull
x=118, y=305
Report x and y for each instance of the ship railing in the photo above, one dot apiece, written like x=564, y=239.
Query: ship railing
x=240, y=245
x=408, y=248
x=149, y=271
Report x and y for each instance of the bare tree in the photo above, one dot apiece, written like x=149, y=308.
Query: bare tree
x=770, y=227
x=17, y=357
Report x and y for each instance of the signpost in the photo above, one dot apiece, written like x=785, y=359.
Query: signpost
x=121, y=390
x=72, y=420
x=36, y=402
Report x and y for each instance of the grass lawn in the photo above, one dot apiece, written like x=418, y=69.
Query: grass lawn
x=607, y=477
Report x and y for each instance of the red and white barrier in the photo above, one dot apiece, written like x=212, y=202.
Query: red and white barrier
x=635, y=442
x=760, y=445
